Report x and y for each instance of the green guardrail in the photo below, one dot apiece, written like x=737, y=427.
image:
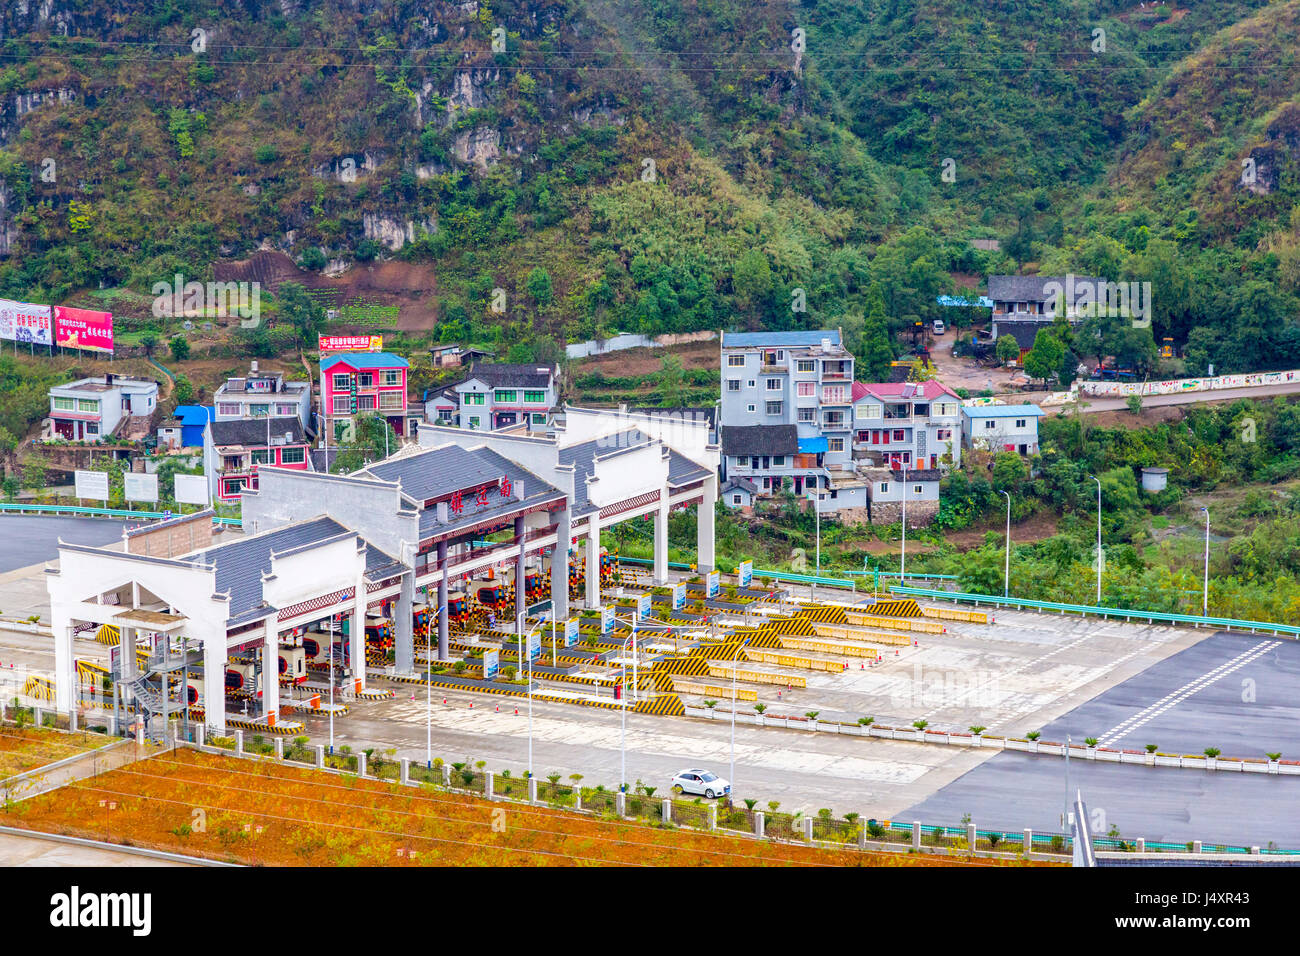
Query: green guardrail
x=78, y=511
x=1127, y=614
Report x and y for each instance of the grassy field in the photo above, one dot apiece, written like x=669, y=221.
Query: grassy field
x=270, y=814
x=27, y=748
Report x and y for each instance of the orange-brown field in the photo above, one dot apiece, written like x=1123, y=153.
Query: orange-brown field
x=26, y=748
x=266, y=813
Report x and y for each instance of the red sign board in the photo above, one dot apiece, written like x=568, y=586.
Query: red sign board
x=83, y=329
x=350, y=343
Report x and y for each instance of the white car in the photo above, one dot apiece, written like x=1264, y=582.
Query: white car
x=938, y=327
x=701, y=782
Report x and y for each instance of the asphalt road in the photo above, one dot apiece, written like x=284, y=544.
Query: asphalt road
x=31, y=539
x=1014, y=791
x=1237, y=692
x=1186, y=398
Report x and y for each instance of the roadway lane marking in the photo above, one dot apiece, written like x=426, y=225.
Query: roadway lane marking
x=1175, y=698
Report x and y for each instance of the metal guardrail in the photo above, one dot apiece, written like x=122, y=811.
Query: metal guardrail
x=1127, y=614
x=77, y=510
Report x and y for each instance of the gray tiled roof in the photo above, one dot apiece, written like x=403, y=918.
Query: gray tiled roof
x=748, y=440
x=253, y=431
x=241, y=563
x=1029, y=288
x=505, y=375
x=583, y=456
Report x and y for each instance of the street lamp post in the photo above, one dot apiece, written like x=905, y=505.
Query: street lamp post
x=1006, y=580
x=817, y=513
x=902, y=563
x=1099, y=559
x=1205, y=589
x=735, y=667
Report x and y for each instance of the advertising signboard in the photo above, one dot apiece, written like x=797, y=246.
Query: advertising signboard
x=25, y=322
x=92, y=485
x=746, y=573
x=679, y=596
x=192, y=489
x=491, y=664
x=712, y=587
x=140, y=487
x=83, y=329
x=350, y=343
x=571, y=632
x=607, y=619
x=643, y=606
x=534, y=646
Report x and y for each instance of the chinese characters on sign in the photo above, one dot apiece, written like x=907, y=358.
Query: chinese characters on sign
x=350, y=343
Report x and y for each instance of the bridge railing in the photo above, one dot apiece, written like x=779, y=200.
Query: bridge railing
x=80, y=512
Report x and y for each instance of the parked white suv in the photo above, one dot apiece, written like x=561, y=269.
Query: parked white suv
x=938, y=327
x=701, y=782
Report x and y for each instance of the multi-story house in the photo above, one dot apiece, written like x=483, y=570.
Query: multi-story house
x=233, y=450
x=497, y=395
x=786, y=409
x=354, y=383
x=93, y=409
x=262, y=395
x=912, y=424
x=1001, y=427
x=1024, y=304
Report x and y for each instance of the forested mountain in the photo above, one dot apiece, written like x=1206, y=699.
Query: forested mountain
x=666, y=165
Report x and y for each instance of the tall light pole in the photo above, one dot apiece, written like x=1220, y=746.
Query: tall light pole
x=1006, y=580
x=735, y=667
x=428, y=681
x=1205, y=589
x=817, y=515
x=1099, y=561
x=902, y=564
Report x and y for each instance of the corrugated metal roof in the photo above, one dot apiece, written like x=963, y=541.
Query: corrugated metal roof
x=364, y=360
x=760, y=339
x=1001, y=411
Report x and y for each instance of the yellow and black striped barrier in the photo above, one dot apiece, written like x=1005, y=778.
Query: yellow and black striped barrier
x=665, y=705
x=108, y=634
x=901, y=608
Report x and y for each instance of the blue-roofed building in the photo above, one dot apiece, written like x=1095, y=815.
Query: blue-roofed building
x=1001, y=428
x=786, y=411
x=185, y=428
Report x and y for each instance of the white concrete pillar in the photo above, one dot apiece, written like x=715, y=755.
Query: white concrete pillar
x=443, y=640
x=560, y=567
x=1028, y=844
x=704, y=560
x=532, y=789
x=916, y=834
x=279, y=748
x=404, y=626
x=620, y=803
x=667, y=811
x=357, y=635
x=65, y=668
x=126, y=647
x=405, y=764
x=593, y=560
x=214, y=684
x=661, y=539
x=271, y=671
x=807, y=828
x=320, y=756
x=487, y=784
x=760, y=823
x=361, y=763
x=521, y=592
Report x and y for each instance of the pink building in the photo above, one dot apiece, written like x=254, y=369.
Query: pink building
x=354, y=383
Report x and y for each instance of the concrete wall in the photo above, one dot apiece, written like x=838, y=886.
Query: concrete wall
x=172, y=538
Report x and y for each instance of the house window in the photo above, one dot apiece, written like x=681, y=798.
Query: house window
x=898, y=434
x=365, y=403
x=742, y=461
x=292, y=456
x=444, y=414
x=65, y=404
x=342, y=381
x=474, y=398
x=390, y=376
x=806, y=389
x=916, y=489
x=1020, y=423
x=365, y=380
x=750, y=407
x=504, y=395
x=261, y=456
x=259, y=411
x=884, y=487
x=835, y=444
x=774, y=408
x=92, y=428
x=943, y=434
x=285, y=410
x=534, y=397
x=539, y=418
x=735, y=361
x=805, y=365
x=773, y=384
x=733, y=384
x=989, y=424
x=474, y=421
x=87, y=406
x=392, y=400
x=807, y=415
x=778, y=461
x=735, y=499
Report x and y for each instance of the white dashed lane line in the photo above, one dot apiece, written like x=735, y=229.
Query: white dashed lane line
x=1187, y=690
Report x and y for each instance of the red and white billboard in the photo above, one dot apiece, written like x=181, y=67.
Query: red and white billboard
x=83, y=329
x=351, y=343
x=25, y=322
